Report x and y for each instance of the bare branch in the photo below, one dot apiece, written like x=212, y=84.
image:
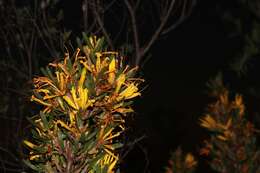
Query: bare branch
x=158, y=31
x=121, y=27
x=85, y=14
x=185, y=13
x=109, y=5
x=138, y=53
x=101, y=24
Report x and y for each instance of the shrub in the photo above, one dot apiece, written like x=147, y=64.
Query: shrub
x=86, y=99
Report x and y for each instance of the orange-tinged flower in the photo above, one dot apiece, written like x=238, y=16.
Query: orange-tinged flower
x=224, y=98
x=33, y=98
x=238, y=103
x=204, y=151
x=208, y=122
x=98, y=62
x=190, y=161
x=119, y=82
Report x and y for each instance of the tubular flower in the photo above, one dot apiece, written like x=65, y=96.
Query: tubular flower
x=109, y=161
x=130, y=92
x=78, y=101
x=112, y=71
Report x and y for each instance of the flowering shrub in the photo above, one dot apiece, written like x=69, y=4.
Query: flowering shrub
x=85, y=99
x=180, y=163
x=232, y=144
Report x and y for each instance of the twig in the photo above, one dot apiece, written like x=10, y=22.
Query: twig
x=131, y=146
x=138, y=53
x=101, y=24
x=147, y=162
x=9, y=153
x=158, y=31
x=184, y=16
x=109, y=5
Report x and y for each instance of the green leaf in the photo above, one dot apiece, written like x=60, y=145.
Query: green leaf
x=79, y=43
x=48, y=168
x=117, y=145
x=79, y=122
x=86, y=39
x=61, y=137
x=44, y=121
x=40, y=149
x=69, y=64
x=49, y=73
x=32, y=166
x=90, y=84
x=100, y=45
x=91, y=135
x=93, y=164
x=44, y=72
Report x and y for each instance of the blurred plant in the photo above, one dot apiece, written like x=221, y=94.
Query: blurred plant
x=232, y=145
x=85, y=100
x=242, y=21
x=180, y=163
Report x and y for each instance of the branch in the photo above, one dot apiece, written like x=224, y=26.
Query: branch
x=89, y=25
x=138, y=54
x=85, y=13
x=96, y=11
x=184, y=16
x=158, y=31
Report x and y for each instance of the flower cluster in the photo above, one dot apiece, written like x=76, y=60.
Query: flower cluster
x=85, y=100
x=232, y=143
x=180, y=163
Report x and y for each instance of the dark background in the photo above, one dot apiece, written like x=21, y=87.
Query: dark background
x=175, y=89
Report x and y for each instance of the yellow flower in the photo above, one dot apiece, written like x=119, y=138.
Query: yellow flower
x=98, y=61
x=221, y=137
x=130, y=92
x=190, y=161
x=70, y=102
x=208, y=122
x=33, y=98
x=224, y=98
x=93, y=41
x=225, y=136
x=110, y=161
x=119, y=82
x=29, y=144
x=82, y=77
x=111, y=71
x=78, y=102
x=238, y=100
x=33, y=157
x=238, y=103
x=61, y=78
